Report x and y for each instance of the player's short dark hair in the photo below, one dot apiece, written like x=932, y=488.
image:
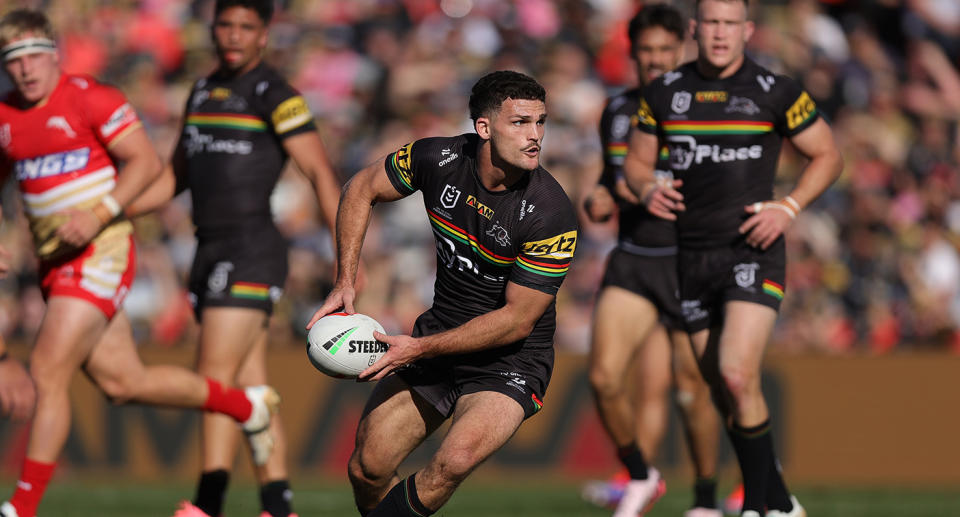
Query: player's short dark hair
x=655, y=15
x=263, y=8
x=494, y=88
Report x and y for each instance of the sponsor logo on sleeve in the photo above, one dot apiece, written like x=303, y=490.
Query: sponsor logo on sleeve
x=121, y=117
x=448, y=157
x=644, y=115
x=291, y=114
x=800, y=111
x=401, y=161
x=559, y=247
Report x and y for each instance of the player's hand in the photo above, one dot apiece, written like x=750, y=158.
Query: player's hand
x=599, y=204
x=768, y=222
x=80, y=228
x=623, y=192
x=17, y=392
x=663, y=200
x=341, y=296
x=4, y=262
x=402, y=350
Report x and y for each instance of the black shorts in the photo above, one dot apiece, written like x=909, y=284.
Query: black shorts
x=248, y=269
x=711, y=277
x=519, y=371
x=652, y=277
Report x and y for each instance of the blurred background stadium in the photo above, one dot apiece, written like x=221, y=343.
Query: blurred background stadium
x=864, y=365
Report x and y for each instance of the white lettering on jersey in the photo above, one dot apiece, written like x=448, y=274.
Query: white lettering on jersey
x=766, y=82
x=52, y=164
x=58, y=122
x=123, y=115
x=671, y=76
x=198, y=142
x=684, y=152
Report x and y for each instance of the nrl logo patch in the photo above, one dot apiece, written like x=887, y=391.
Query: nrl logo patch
x=681, y=102
x=449, y=196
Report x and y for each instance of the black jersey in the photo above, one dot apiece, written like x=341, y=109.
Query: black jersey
x=724, y=138
x=232, y=137
x=637, y=226
x=526, y=234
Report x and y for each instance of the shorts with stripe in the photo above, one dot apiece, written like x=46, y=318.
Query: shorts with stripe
x=739, y=272
x=101, y=273
x=246, y=269
x=518, y=371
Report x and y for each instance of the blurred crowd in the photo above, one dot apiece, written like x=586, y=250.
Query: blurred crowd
x=873, y=265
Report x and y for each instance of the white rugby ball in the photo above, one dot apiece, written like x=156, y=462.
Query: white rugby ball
x=342, y=345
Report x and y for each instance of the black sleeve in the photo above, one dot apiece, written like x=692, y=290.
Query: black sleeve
x=793, y=108
x=614, y=138
x=548, y=245
x=287, y=110
x=412, y=166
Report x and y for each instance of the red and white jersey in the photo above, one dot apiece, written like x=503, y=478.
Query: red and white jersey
x=58, y=150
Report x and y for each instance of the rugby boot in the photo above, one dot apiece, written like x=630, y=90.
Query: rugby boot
x=187, y=509
x=797, y=510
x=265, y=402
x=734, y=502
x=700, y=511
x=606, y=494
x=640, y=494
x=7, y=510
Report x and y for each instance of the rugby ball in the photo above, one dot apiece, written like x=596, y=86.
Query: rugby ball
x=342, y=345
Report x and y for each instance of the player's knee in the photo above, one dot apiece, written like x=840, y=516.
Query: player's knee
x=740, y=382
x=456, y=465
x=118, y=391
x=364, y=474
x=604, y=384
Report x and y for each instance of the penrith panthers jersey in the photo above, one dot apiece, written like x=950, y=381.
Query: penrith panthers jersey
x=525, y=234
x=724, y=138
x=58, y=152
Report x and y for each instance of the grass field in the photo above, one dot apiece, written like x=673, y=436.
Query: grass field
x=513, y=498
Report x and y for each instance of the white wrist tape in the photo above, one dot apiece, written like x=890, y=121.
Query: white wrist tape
x=793, y=203
x=112, y=206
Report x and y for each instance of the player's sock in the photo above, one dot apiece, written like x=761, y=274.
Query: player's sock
x=211, y=491
x=275, y=498
x=632, y=457
x=754, y=448
x=30, y=487
x=705, y=493
x=778, y=497
x=401, y=501
x=229, y=401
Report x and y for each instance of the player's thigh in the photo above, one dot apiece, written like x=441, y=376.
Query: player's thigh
x=686, y=370
x=227, y=337
x=114, y=360
x=747, y=328
x=69, y=331
x=482, y=423
x=653, y=363
x=253, y=371
x=394, y=422
x=621, y=321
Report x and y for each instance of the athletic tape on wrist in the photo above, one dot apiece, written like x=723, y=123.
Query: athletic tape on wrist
x=793, y=203
x=112, y=205
x=26, y=46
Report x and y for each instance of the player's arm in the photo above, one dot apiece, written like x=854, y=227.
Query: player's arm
x=598, y=203
x=661, y=198
x=508, y=324
x=366, y=188
x=17, y=392
x=771, y=219
x=309, y=154
x=169, y=183
x=139, y=166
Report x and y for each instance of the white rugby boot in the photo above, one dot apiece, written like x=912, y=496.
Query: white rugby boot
x=640, y=494
x=7, y=510
x=699, y=511
x=797, y=510
x=266, y=402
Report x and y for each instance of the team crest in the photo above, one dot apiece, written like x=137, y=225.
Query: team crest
x=5, y=138
x=681, y=102
x=745, y=274
x=500, y=234
x=449, y=196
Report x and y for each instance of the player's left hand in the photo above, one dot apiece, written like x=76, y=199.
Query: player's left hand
x=768, y=222
x=81, y=227
x=402, y=350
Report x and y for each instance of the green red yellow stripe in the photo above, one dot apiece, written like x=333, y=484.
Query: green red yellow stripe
x=619, y=149
x=250, y=291
x=664, y=153
x=773, y=289
x=463, y=237
x=227, y=121
x=543, y=268
x=537, y=404
x=398, y=173
x=717, y=127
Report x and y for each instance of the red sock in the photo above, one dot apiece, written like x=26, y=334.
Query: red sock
x=30, y=487
x=229, y=401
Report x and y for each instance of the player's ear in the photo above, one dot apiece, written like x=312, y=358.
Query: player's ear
x=693, y=28
x=482, y=126
x=748, y=30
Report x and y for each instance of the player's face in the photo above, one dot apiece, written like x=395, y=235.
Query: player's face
x=656, y=51
x=34, y=75
x=722, y=31
x=516, y=132
x=240, y=37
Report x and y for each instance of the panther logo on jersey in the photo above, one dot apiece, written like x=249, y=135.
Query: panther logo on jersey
x=500, y=234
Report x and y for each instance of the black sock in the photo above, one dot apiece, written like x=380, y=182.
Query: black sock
x=705, y=493
x=754, y=448
x=211, y=491
x=401, y=501
x=632, y=457
x=778, y=497
x=275, y=498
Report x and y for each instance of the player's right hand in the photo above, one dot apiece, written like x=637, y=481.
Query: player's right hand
x=663, y=200
x=599, y=204
x=340, y=296
x=80, y=228
x=18, y=395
